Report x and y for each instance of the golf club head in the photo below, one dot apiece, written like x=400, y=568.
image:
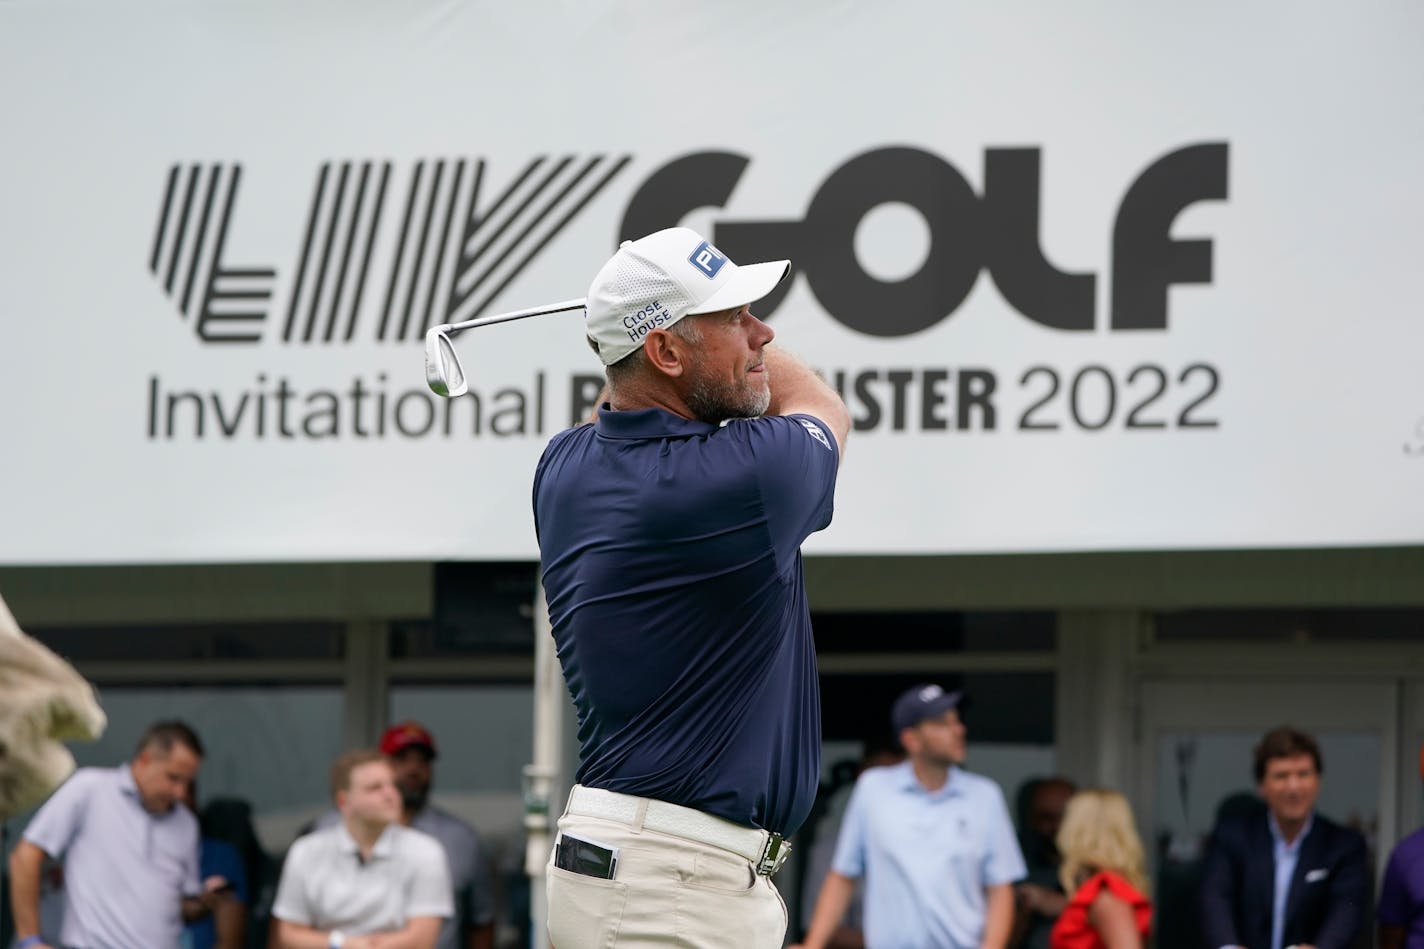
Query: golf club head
x=443, y=372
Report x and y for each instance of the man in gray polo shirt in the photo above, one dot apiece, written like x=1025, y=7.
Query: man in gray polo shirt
x=130, y=852
x=368, y=882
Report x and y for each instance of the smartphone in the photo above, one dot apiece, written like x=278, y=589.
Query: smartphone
x=586, y=857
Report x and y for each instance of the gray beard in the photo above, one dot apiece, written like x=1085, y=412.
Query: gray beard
x=714, y=403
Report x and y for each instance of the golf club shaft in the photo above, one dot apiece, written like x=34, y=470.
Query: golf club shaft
x=515, y=315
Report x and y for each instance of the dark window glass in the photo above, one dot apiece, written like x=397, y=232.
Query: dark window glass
x=196, y=641
x=1300, y=626
x=480, y=608
x=934, y=632
x=1001, y=707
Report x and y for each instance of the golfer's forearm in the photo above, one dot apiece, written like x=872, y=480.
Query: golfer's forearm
x=831, y=908
x=796, y=389
x=25, y=861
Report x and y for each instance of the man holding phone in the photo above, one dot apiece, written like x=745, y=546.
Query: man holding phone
x=123, y=824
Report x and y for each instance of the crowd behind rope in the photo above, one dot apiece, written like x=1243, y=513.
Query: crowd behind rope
x=920, y=853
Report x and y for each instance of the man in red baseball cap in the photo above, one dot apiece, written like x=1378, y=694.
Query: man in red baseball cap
x=411, y=748
x=403, y=735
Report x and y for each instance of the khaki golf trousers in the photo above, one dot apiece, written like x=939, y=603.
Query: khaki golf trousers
x=667, y=891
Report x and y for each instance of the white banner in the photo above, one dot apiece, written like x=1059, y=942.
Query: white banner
x=1089, y=277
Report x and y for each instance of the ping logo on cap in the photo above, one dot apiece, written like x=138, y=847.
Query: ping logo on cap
x=930, y=692
x=708, y=260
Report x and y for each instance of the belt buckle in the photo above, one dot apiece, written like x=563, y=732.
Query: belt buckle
x=773, y=855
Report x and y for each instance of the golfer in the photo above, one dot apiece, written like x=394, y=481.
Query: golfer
x=670, y=532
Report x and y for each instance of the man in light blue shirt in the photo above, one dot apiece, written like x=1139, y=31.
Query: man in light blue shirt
x=130, y=851
x=934, y=843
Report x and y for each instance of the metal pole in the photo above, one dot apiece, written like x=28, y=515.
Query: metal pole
x=541, y=778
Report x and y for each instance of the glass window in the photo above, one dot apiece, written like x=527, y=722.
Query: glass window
x=268, y=746
x=1299, y=626
x=485, y=732
x=479, y=608
x=1205, y=775
x=192, y=641
x=934, y=632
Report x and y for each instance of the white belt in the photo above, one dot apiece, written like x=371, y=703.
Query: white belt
x=766, y=850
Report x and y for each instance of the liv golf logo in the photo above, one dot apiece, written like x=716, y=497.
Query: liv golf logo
x=386, y=253
x=459, y=241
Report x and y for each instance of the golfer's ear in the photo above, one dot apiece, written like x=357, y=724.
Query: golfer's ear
x=666, y=352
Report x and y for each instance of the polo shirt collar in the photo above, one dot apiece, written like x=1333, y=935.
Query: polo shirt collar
x=126, y=779
x=129, y=787
x=909, y=782
x=647, y=423
x=385, y=843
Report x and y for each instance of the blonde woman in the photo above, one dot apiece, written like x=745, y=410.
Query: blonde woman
x=1103, y=870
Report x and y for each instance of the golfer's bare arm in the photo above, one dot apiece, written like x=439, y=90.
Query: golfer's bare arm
x=25, y=862
x=796, y=390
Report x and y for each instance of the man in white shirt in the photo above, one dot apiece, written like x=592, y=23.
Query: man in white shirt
x=368, y=882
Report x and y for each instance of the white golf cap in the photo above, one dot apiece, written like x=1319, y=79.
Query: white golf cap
x=653, y=282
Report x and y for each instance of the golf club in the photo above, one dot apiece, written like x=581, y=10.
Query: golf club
x=442, y=365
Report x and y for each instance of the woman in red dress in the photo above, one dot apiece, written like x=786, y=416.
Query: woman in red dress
x=1103, y=869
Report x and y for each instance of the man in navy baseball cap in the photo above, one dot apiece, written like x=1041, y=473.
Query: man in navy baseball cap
x=922, y=702
x=899, y=826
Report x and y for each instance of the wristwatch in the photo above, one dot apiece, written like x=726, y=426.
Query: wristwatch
x=336, y=940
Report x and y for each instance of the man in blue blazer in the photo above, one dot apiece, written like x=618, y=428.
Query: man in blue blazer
x=1286, y=876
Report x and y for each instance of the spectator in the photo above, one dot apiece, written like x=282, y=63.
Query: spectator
x=367, y=882
x=1103, y=869
x=1286, y=876
x=411, y=750
x=1040, y=895
x=229, y=819
x=119, y=824
x=226, y=926
x=933, y=842
x=1401, y=905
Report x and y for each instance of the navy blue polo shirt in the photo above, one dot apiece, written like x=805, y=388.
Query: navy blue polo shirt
x=672, y=566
